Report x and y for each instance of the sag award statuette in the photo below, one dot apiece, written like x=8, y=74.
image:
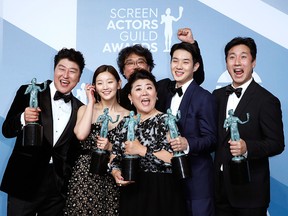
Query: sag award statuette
x=130, y=163
x=180, y=163
x=33, y=131
x=239, y=167
x=100, y=157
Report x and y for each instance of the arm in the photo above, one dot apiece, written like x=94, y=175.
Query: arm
x=202, y=135
x=84, y=115
x=268, y=139
x=12, y=126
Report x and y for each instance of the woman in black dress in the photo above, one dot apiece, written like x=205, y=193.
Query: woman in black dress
x=155, y=191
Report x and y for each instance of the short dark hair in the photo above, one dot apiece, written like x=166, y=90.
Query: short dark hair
x=194, y=50
x=137, y=49
x=247, y=41
x=140, y=73
x=71, y=55
x=191, y=48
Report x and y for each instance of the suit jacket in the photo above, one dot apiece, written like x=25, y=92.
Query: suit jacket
x=263, y=134
x=27, y=165
x=198, y=125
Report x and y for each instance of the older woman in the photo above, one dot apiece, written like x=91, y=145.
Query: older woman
x=155, y=191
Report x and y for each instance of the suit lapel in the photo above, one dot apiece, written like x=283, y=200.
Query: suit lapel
x=46, y=114
x=246, y=98
x=186, y=100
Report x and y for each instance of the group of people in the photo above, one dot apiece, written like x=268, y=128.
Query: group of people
x=55, y=178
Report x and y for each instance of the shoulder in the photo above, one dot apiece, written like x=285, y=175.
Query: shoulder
x=263, y=94
x=164, y=82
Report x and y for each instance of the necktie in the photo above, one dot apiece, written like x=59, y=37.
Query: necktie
x=177, y=90
x=58, y=95
x=230, y=90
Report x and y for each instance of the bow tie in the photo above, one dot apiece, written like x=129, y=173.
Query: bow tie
x=177, y=90
x=58, y=95
x=230, y=90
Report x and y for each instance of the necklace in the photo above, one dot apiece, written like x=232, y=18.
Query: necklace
x=152, y=114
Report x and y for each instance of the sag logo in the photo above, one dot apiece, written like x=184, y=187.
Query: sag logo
x=225, y=79
x=167, y=20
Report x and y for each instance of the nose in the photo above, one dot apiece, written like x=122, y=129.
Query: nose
x=144, y=92
x=66, y=73
x=238, y=61
x=179, y=65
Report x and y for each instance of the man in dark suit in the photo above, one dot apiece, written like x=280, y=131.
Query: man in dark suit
x=36, y=176
x=260, y=138
x=197, y=124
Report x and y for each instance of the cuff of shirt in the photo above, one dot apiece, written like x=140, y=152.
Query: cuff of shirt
x=22, y=120
x=187, y=150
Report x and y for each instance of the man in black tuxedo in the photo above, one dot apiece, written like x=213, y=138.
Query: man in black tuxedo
x=36, y=176
x=197, y=125
x=260, y=138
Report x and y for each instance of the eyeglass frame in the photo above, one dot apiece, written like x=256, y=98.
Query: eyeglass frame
x=131, y=63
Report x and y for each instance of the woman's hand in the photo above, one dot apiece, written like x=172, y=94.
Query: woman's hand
x=116, y=173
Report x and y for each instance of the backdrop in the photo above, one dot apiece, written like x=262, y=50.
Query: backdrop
x=31, y=33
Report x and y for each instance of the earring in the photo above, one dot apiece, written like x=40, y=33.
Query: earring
x=131, y=102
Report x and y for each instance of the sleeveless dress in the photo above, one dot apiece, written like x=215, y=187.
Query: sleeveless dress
x=155, y=191
x=91, y=194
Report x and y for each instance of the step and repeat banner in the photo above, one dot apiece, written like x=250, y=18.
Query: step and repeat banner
x=31, y=33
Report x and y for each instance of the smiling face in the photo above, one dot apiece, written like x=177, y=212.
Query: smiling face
x=182, y=66
x=66, y=75
x=143, y=95
x=107, y=85
x=239, y=64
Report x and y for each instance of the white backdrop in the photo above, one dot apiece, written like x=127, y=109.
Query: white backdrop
x=31, y=33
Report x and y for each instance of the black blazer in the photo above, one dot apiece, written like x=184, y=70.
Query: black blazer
x=263, y=134
x=27, y=166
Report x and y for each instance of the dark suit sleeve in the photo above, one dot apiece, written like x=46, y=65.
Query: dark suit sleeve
x=271, y=130
x=199, y=75
x=12, y=124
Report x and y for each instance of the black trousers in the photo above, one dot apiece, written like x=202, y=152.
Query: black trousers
x=224, y=208
x=47, y=202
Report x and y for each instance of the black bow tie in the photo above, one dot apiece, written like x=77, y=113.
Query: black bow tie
x=230, y=90
x=177, y=90
x=58, y=95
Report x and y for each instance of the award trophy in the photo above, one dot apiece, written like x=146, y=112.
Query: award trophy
x=239, y=167
x=33, y=131
x=100, y=157
x=130, y=163
x=180, y=163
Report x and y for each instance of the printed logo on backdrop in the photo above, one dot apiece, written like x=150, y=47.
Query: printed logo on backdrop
x=141, y=26
x=225, y=79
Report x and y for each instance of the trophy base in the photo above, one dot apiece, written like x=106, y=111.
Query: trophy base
x=130, y=168
x=180, y=167
x=239, y=171
x=99, y=161
x=32, y=135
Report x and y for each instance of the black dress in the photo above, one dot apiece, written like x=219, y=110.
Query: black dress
x=155, y=192
x=91, y=194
